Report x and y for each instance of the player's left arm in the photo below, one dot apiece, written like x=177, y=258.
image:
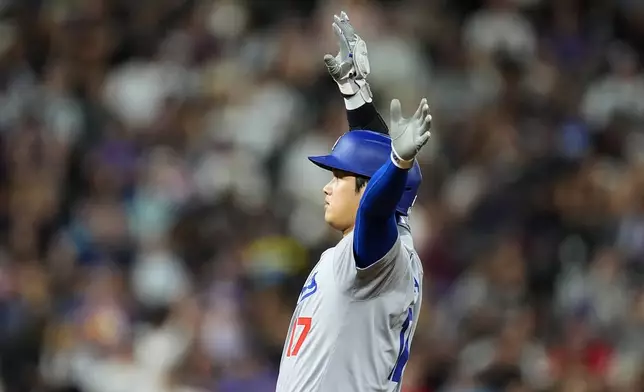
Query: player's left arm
x=376, y=229
x=349, y=69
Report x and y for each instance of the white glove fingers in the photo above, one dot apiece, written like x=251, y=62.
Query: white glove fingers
x=332, y=65
x=424, y=138
x=338, y=32
x=350, y=66
x=424, y=115
x=408, y=136
x=395, y=111
x=427, y=124
x=419, y=112
x=345, y=27
x=345, y=48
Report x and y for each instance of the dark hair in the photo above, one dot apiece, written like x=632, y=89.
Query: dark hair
x=361, y=182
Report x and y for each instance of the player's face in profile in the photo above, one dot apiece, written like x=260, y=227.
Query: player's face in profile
x=341, y=201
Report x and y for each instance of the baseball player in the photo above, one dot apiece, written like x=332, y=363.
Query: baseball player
x=357, y=312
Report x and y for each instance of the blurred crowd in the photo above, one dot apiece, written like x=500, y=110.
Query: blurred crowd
x=158, y=215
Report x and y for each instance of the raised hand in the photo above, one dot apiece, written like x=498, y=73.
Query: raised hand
x=409, y=135
x=350, y=67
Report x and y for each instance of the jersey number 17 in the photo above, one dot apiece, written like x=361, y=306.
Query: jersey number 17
x=302, y=325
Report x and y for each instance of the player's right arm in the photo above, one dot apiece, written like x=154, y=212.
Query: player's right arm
x=376, y=231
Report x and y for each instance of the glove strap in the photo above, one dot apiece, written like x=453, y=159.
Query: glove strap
x=361, y=59
x=359, y=98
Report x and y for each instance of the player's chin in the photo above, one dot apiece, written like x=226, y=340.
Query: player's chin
x=333, y=222
x=330, y=218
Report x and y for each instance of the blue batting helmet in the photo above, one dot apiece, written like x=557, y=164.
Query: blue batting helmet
x=363, y=153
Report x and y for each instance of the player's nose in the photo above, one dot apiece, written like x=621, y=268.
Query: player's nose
x=327, y=188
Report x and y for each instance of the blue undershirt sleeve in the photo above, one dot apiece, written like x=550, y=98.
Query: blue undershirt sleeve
x=376, y=230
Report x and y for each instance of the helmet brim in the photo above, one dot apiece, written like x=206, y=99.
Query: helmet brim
x=330, y=162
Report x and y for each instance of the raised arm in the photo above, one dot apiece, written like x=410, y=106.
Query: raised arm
x=376, y=231
x=349, y=68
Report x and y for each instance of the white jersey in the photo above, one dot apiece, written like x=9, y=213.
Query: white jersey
x=352, y=328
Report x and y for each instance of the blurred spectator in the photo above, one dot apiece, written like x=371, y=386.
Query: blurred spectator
x=158, y=215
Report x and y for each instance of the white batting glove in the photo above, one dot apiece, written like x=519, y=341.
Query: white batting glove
x=350, y=67
x=408, y=135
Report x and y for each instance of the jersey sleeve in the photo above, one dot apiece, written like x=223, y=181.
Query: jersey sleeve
x=371, y=281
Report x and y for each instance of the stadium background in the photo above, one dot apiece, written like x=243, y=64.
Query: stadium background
x=158, y=214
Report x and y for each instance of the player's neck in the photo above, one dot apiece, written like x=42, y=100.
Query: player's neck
x=347, y=231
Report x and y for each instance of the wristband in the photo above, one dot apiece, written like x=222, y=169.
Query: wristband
x=363, y=96
x=399, y=162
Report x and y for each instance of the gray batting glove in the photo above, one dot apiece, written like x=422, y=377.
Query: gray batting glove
x=408, y=135
x=350, y=67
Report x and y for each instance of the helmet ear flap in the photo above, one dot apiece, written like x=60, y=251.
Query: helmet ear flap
x=410, y=195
